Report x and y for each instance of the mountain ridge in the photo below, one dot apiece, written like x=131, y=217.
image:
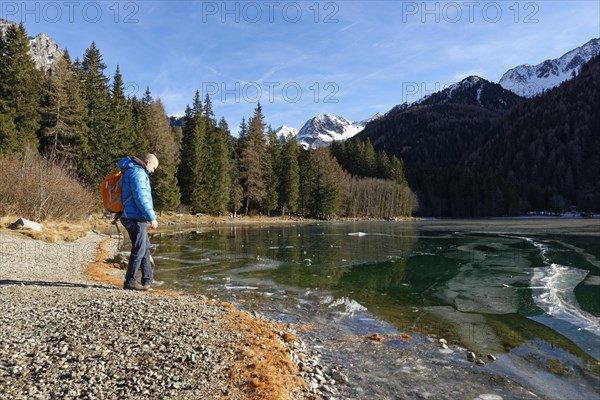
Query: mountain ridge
x=323, y=129
x=532, y=80
x=475, y=90
x=43, y=49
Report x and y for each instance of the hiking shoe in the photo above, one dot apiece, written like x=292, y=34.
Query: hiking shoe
x=135, y=286
x=153, y=284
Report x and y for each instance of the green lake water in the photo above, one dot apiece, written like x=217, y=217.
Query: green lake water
x=527, y=291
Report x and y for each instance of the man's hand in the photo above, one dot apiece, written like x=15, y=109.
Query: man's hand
x=154, y=224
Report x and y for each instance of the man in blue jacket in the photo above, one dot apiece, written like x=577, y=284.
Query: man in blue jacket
x=138, y=211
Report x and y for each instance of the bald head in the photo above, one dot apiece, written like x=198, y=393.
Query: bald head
x=150, y=162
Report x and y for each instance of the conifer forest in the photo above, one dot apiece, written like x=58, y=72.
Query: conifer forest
x=78, y=115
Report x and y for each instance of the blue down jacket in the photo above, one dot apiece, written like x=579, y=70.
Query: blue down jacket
x=136, y=194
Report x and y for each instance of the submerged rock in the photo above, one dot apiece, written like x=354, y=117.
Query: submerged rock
x=339, y=377
x=471, y=356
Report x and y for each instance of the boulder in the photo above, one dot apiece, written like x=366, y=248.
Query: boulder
x=122, y=259
x=121, y=256
x=23, y=223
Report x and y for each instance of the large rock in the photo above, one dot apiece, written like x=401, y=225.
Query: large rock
x=23, y=223
x=122, y=259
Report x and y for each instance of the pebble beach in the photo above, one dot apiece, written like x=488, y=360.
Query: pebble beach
x=66, y=336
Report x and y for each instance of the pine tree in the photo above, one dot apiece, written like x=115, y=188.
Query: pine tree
x=147, y=100
x=237, y=191
x=185, y=170
x=369, y=159
x=165, y=147
x=338, y=150
x=139, y=114
x=272, y=165
x=8, y=130
x=100, y=154
x=252, y=161
x=200, y=201
x=223, y=149
x=290, y=183
x=398, y=171
x=122, y=132
x=212, y=165
x=20, y=91
x=325, y=199
x=349, y=157
x=190, y=174
x=383, y=166
x=140, y=108
x=308, y=179
x=242, y=138
x=63, y=130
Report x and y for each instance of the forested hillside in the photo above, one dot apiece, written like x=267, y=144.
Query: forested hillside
x=78, y=116
x=501, y=156
x=549, y=147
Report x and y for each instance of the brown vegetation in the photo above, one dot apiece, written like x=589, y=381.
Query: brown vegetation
x=40, y=190
x=53, y=231
x=378, y=198
x=263, y=368
x=376, y=337
x=102, y=270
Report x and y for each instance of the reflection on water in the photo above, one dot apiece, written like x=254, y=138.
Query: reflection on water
x=504, y=287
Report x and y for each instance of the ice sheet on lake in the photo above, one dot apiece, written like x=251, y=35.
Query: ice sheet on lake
x=481, y=285
x=552, y=291
x=228, y=287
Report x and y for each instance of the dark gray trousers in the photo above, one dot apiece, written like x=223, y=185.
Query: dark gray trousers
x=140, y=251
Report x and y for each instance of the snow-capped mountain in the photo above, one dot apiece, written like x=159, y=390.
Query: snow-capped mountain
x=373, y=118
x=531, y=80
x=285, y=132
x=398, y=108
x=475, y=91
x=456, y=90
x=43, y=49
x=325, y=128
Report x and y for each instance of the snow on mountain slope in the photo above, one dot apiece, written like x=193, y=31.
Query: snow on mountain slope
x=285, y=132
x=532, y=80
x=325, y=128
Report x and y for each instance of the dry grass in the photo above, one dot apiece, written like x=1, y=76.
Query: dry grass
x=38, y=189
x=100, y=270
x=54, y=231
x=263, y=368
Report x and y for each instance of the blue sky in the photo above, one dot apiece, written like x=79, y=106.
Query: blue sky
x=304, y=58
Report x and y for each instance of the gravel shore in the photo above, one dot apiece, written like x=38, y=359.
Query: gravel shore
x=63, y=336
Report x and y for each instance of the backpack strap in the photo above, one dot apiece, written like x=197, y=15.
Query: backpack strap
x=118, y=215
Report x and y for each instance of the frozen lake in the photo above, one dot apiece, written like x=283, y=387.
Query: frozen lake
x=526, y=291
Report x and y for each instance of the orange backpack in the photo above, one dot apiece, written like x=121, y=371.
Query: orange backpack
x=111, y=189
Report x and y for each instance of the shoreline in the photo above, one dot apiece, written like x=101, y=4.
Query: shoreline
x=258, y=343
x=246, y=357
